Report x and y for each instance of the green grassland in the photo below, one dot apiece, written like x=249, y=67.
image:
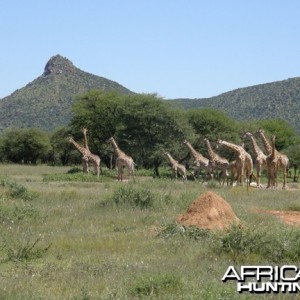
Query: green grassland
x=73, y=236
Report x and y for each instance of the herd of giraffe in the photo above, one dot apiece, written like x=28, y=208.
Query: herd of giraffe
x=122, y=160
x=238, y=170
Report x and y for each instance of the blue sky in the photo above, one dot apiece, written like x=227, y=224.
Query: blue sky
x=176, y=48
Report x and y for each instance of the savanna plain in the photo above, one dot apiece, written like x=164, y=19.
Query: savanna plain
x=65, y=235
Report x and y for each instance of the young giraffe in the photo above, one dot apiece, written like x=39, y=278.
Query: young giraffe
x=200, y=161
x=217, y=161
x=176, y=166
x=86, y=156
x=283, y=160
x=122, y=160
x=94, y=158
x=260, y=157
x=243, y=161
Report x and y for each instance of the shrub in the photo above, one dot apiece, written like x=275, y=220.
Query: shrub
x=150, y=285
x=137, y=197
x=240, y=243
x=26, y=252
x=191, y=232
x=17, y=190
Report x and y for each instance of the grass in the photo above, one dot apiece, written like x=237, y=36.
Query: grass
x=103, y=239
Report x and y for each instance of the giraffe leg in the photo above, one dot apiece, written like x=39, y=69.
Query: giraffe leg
x=85, y=165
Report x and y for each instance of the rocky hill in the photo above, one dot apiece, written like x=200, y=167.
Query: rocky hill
x=280, y=99
x=46, y=101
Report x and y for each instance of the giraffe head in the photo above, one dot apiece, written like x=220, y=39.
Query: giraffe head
x=84, y=130
x=247, y=134
x=70, y=139
x=185, y=141
x=273, y=139
x=260, y=130
x=110, y=140
x=219, y=143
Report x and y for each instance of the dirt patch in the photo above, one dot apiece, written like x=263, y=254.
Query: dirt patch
x=209, y=211
x=289, y=217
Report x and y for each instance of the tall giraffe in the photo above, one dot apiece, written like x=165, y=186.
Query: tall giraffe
x=95, y=159
x=122, y=160
x=200, y=161
x=217, y=161
x=243, y=161
x=86, y=156
x=272, y=163
x=283, y=161
x=176, y=166
x=260, y=157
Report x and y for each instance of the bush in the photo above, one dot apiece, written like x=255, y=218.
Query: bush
x=26, y=252
x=16, y=190
x=240, y=243
x=191, y=232
x=136, y=197
x=150, y=285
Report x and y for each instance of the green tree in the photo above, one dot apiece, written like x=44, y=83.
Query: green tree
x=25, y=145
x=285, y=134
x=100, y=112
x=213, y=124
x=150, y=127
x=63, y=153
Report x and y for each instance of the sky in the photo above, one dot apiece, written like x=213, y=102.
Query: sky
x=175, y=48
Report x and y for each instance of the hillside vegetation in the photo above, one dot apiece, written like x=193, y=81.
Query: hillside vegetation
x=46, y=101
x=279, y=99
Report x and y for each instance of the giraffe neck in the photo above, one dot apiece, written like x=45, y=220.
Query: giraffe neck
x=82, y=150
x=257, y=150
x=85, y=143
x=211, y=153
x=193, y=151
x=266, y=143
x=171, y=159
x=273, y=152
x=235, y=148
x=118, y=151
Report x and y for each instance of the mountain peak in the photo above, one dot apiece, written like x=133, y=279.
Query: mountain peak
x=58, y=64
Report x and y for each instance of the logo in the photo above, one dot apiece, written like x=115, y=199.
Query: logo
x=265, y=279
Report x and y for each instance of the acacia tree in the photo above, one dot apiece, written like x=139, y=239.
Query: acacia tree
x=25, y=145
x=149, y=127
x=286, y=135
x=213, y=124
x=100, y=112
x=144, y=125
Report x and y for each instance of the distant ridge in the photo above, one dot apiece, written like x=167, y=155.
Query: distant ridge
x=279, y=99
x=46, y=101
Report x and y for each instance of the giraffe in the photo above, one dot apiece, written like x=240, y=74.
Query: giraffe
x=272, y=163
x=122, y=160
x=217, y=161
x=86, y=156
x=260, y=157
x=176, y=166
x=94, y=158
x=200, y=161
x=283, y=161
x=243, y=161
